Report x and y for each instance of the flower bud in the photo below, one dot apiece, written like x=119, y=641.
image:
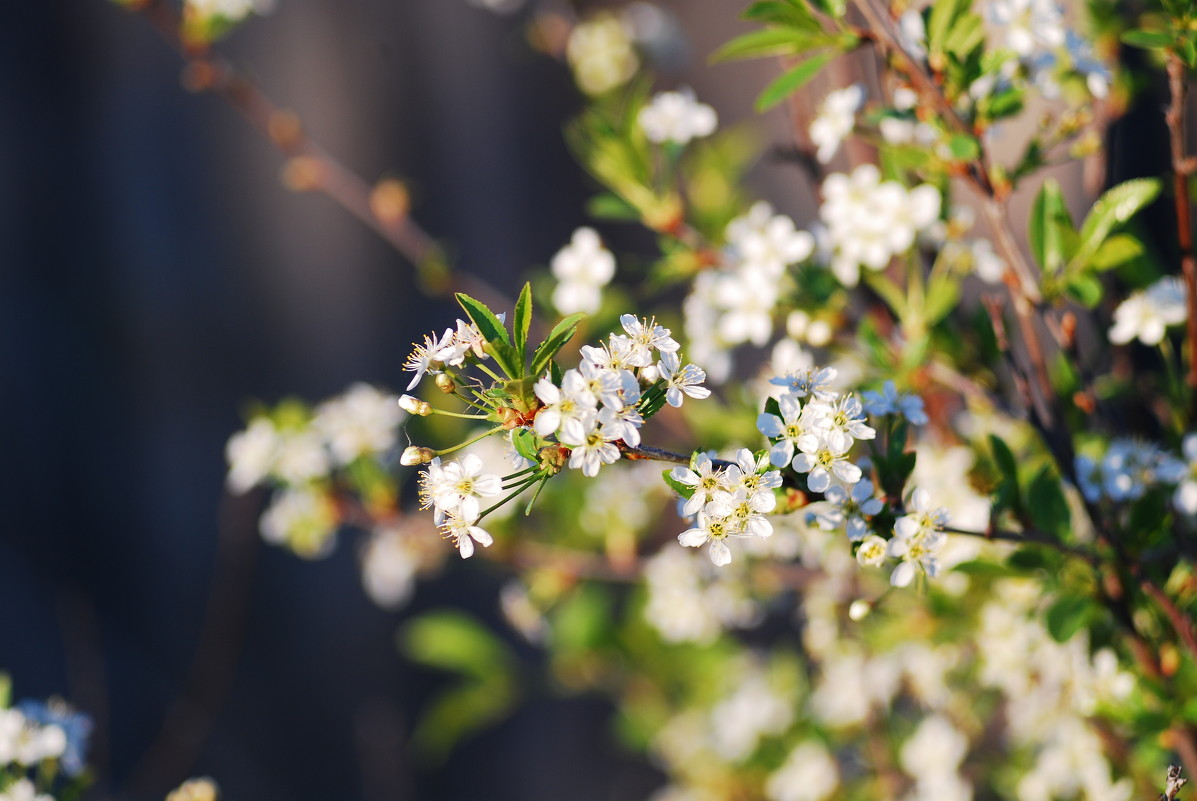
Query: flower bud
x=444, y=382
x=413, y=405
x=414, y=455
x=859, y=609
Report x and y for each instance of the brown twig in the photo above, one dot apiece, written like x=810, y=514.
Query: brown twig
x=383, y=207
x=1181, y=169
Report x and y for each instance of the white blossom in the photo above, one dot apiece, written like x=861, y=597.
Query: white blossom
x=251, y=454
x=362, y=421
x=808, y=774
x=1146, y=315
x=890, y=401
x=835, y=119
x=464, y=535
x=601, y=54
x=582, y=268
x=676, y=117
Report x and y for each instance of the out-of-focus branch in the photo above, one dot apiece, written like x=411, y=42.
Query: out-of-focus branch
x=382, y=207
x=1182, y=167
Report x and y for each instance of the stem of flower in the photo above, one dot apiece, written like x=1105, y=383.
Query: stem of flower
x=470, y=441
x=522, y=486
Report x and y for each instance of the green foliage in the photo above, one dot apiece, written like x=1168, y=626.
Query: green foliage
x=485, y=691
x=554, y=342
x=1068, y=615
x=793, y=79
x=1047, y=506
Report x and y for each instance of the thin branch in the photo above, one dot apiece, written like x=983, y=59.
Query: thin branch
x=1181, y=168
x=383, y=207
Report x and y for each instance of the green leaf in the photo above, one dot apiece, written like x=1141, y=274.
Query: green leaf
x=522, y=321
x=964, y=147
x=491, y=327
x=611, y=207
x=943, y=294
x=526, y=443
x=454, y=641
x=582, y=621
x=1116, y=251
x=555, y=341
x=1049, y=219
x=943, y=17
x=684, y=490
x=794, y=15
x=966, y=36
x=890, y=292
x=1113, y=208
x=1009, y=495
x=1067, y=616
x=1085, y=289
x=460, y=711
x=5, y=691
x=767, y=42
x=1148, y=40
x=793, y=80
x=1046, y=505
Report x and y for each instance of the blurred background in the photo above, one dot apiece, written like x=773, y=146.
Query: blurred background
x=156, y=277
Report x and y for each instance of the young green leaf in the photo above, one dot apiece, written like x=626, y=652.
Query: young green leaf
x=793, y=80
x=1116, y=251
x=786, y=41
x=491, y=327
x=1048, y=224
x=555, y=341
x=1148, y=40
x=1113, y=208
x=522, y=321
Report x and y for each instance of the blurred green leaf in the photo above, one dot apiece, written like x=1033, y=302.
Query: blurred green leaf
x=1068, y=615
x=786, y=41
x=1046, y=505
x=1116, y=251
x=793, y=80
x=454, y=641
x=1049, y=220
x=1114, y=207
x=607, y=206
x=1148, y=40
x=1085, y=289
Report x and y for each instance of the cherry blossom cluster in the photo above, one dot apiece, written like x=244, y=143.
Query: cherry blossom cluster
x=813, y=432
x=582, y=268
x=676, y=117
x=1147, y=314
x=454, y=490
x=39, y=740
x=600, y=403
x=735, y=304
x=579, y=418
x=869, y=221
x=297, y=449
x=451, y=348
x=1130, y=468
x=729, y=500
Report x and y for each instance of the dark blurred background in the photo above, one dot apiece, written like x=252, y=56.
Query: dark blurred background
x=156, y=276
